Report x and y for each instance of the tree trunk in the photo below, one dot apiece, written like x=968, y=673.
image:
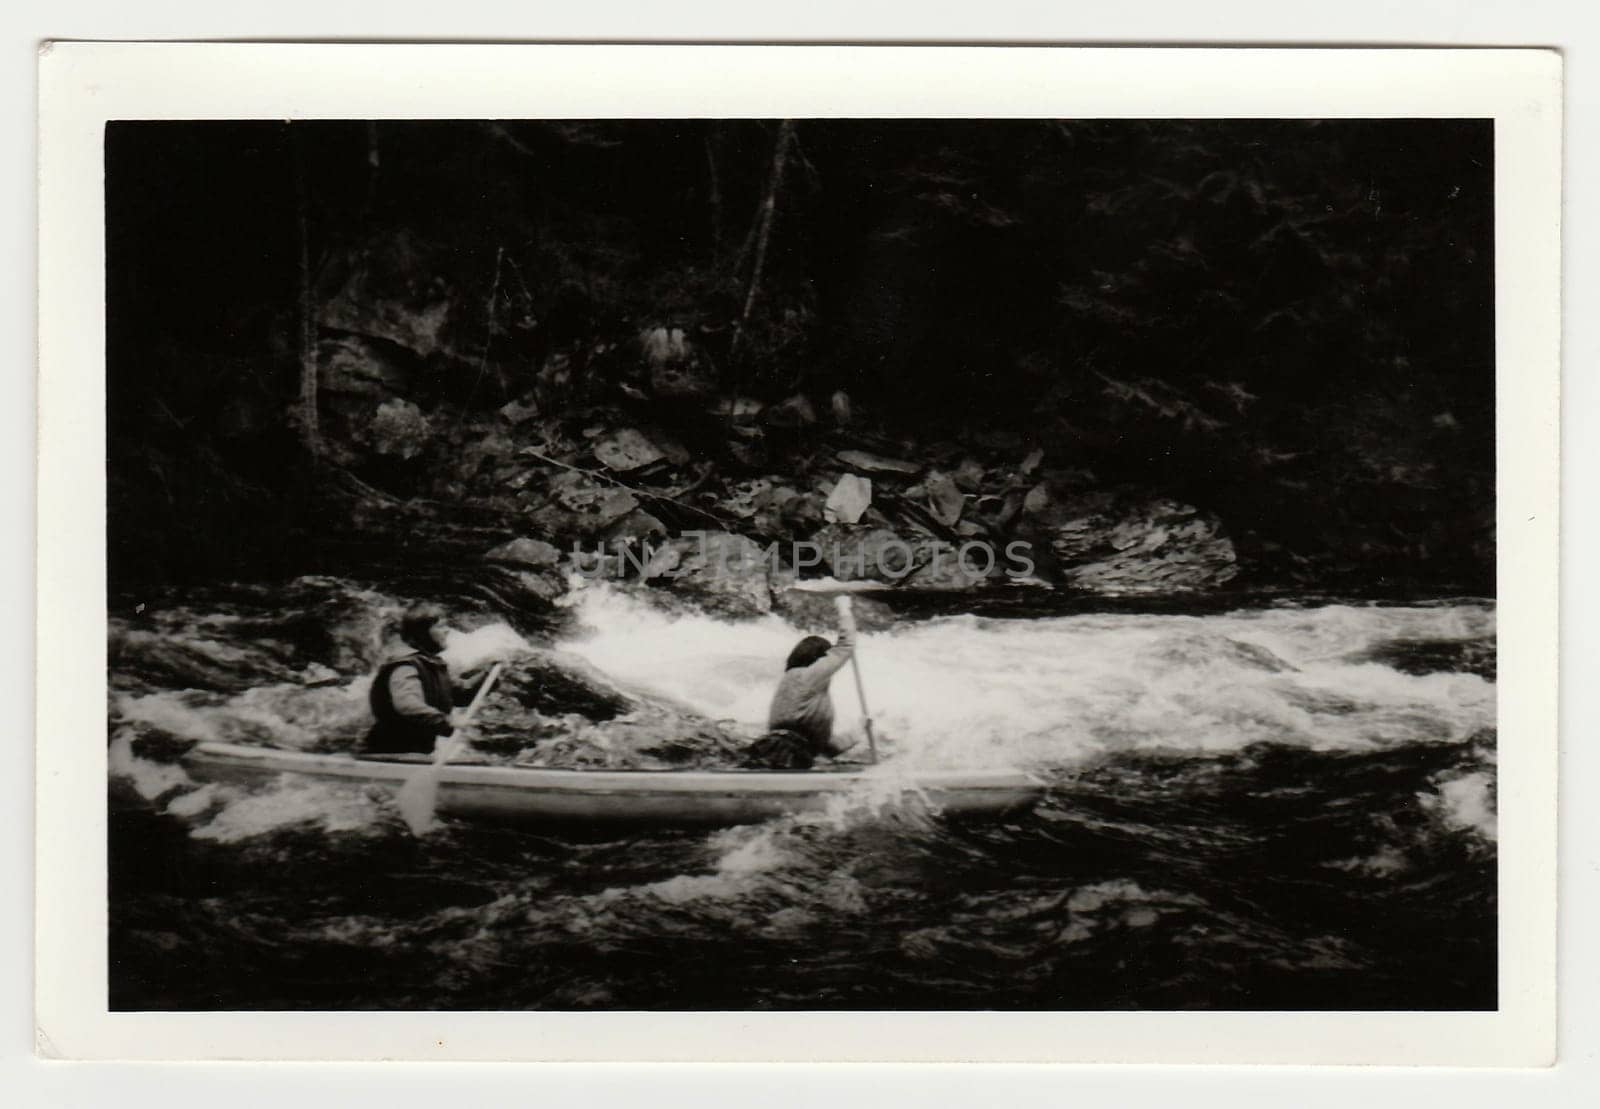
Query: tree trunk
x=716, y=193
x=308, y=324
x=769, y=205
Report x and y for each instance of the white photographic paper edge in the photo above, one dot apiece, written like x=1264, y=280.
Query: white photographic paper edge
x=84, y=85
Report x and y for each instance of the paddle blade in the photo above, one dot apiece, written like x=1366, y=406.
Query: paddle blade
x=418, y=799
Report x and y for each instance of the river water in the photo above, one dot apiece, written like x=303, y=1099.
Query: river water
x=1276, y=805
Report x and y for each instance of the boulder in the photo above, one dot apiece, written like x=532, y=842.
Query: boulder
x=803, y=513
x=353, y=366
x=945, y=500
x=1140, y=545
x=532, y=553
x=626, y=449
x=674, y=370
x=952, y=566
x=392, y=290
x=661, y=345
x=849, y=499
x=517, y=412
x=795, y=411
x=637, y=527
x=813, y=612
x=399, y=429
x=746, y=497
x=738, y=410
x=722, y=573
x=869, y=463
x=969, y=475
x=857, y=552
x=582, y=505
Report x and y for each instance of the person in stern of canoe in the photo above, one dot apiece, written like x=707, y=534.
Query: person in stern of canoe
x=413, y=697
x=800, y=721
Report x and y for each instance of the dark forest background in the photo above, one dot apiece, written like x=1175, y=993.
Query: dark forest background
x=328, y=338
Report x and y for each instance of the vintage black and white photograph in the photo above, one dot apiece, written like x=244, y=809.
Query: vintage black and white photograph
x=801, y=564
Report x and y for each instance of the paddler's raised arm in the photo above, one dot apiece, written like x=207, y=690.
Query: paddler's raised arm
x=839, y=654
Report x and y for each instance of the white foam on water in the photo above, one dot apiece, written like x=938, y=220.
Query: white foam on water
x=295, y=800
x=966, y=691
x=469, y=650
x=1465, y=803
x=149, y=779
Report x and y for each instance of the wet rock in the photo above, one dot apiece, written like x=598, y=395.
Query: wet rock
x=738, y=410
x=1431, y=656
x=637, y=527
x=857, y=552
x=661, y=345
x=840, y=404
x=745, y=498
x=945, y=500
x=353, y=366
x=770, y=515
x=626, y=449
x=848, y=501
x=795, y=411
x=813, y=612
x=969, y=475
x=870, y=463
x=517, y=412
x=723, y=573
x=582, y=505
x=675, y=372
x=399, y=429
x=952, y=566
x=752, y=454
x=803, y=513
x=1133, y=545
x=542, y=585
x=531, y=553
x=674, y=451
x=391, y=291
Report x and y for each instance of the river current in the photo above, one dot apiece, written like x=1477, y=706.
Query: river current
x=1284, y=805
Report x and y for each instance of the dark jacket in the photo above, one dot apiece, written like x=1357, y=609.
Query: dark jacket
x=411, y=699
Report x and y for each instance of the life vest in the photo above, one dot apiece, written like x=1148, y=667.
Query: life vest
x=435, y=685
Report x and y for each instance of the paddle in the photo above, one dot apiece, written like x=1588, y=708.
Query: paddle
x=847, y=619
x=421, y=792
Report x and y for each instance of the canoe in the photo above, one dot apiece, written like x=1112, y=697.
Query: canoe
x=660, y=798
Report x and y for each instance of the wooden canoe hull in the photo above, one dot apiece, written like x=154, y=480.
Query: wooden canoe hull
x=660, y=798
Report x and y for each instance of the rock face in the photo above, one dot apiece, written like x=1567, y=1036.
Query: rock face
x=869, y=463
x=723, y=573
x=390, y=290
x=1121, y=545
x=626, y=449
x=533, y=554
x=582, y=506
x=861, y=552
x=945, y=500
x=849, y=500
x=814, y=612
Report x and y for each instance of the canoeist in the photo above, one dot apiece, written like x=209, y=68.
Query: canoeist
x=800, y=721
x=413, y=697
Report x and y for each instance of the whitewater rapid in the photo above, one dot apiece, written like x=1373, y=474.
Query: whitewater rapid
x=967, y=690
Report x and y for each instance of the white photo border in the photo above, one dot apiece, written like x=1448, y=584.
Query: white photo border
x=82, y=86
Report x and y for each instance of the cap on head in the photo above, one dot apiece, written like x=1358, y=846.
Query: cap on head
x=418, y=627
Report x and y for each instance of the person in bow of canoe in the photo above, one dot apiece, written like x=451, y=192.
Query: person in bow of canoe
x=800, y=721
x=413, y=697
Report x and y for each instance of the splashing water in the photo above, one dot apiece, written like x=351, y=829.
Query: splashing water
x=1269, y=808
x=964, y=691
